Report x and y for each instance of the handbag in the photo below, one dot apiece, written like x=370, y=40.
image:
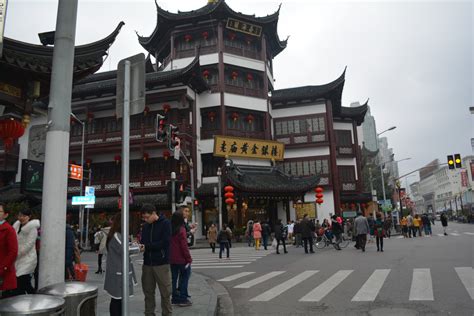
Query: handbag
x=274, y=243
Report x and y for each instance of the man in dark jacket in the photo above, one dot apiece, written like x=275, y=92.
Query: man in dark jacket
x=307, y=229
x=155, y=242
x=266, y=232
x=297, y=232
x=280, y=236
x=337, y=232
x=444, y=222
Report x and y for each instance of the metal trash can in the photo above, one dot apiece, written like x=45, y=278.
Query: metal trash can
x=37, y=304
x=80, y=297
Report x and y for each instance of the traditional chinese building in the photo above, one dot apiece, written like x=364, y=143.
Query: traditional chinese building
x=210, y=72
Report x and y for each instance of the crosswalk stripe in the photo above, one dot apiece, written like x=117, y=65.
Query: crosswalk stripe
x=466, y=275
x=468, y=233
x=219, y=263
x=217, y=267
x=279, y=289
x=258, y=280
x=421, y=286
x=371, y=288
x=217, y=260
x=441, y=235
x=235, y=276
x=455, y=234
x=327, y=286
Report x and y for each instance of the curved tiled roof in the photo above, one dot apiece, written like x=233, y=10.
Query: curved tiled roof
x=37, y=60
x=355, y=113
x=167, y=21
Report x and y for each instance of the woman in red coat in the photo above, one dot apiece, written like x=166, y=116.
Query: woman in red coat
x=8, y=253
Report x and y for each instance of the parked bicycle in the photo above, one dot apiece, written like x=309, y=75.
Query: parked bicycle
x=324, y=241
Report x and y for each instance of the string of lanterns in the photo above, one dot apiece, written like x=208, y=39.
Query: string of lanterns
x=229, y=195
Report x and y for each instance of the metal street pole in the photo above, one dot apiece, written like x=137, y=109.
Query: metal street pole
x=81, y=207
x=53, y=214
x=191, y=169
x=219, y=195
x=173, y=192
x=125, y=185
x=383, y=184
x=87, y=218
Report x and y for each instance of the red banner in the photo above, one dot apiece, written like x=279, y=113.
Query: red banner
x=472, y=170
x=464, y=180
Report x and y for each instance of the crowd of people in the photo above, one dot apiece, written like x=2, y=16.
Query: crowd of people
x=417, y=225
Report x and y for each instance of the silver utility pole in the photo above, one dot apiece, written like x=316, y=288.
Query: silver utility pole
x=125, y=185
x=191, y=169
x=81, y=207
x=219, y=195
x=53, y=215
x=173, y=192
x=87, y=218
x=383, y=183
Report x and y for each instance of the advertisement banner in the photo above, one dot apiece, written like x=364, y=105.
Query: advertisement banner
x=227, y=146
x=464, y=180
x=472, y=170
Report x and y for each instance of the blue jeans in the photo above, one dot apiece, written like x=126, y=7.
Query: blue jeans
x=180, y=279
x=223, y=245
x=427, y=229
x=265, y=241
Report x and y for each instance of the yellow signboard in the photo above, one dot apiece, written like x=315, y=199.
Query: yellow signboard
x=244, y=27
x=248, y=148
x=10, y=90
x=306, y=208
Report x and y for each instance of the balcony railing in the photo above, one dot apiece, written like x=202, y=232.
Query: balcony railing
x=302, y=139
x=256, y=93
x=243, y=52
x=349, y=186
x=345, y=150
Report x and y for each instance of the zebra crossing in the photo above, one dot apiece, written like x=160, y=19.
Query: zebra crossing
x=239, y=257
x=421, y=287
x=455, y=234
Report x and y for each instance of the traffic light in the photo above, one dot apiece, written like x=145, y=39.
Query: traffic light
x=451, y=162
x=160, y=130
x=173, y=140
x=457, y=160
x=179, y=192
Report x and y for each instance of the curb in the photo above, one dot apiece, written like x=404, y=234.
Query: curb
x=224, y=305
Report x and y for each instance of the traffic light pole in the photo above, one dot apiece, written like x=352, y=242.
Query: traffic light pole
x=173, y=192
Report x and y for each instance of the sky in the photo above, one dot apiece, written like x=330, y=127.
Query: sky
x=413, y=60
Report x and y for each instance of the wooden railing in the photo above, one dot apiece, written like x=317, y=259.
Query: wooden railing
x=243, y=52
x=345, y=150
x=349, y=186
x=257, y=93
x=308, y=138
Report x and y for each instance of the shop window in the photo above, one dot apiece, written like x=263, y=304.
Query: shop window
x=300, y=126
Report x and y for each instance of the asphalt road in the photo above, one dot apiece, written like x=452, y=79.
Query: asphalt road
x=418, y=276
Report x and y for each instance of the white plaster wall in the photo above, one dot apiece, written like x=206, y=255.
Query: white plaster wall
x=360, y=135
x=207, y=100
x=299, y=110
x=306, y=152
x=348, y=162
x=203, y=60
x=244, y=62
x=209, y=180
x=344, y=126
x=326, y=208
x=205, y=146
x=244, y=102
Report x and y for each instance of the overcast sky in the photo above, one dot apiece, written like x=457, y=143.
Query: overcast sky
x=414, y=60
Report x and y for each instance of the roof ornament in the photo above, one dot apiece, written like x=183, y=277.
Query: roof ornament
x=212, y=1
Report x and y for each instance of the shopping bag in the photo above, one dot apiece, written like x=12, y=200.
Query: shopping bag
x=274, y=243
x=80, y=270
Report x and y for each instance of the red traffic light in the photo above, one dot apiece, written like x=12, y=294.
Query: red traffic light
x=196, y=202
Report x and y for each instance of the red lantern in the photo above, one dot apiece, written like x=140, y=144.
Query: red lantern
x=146, y=156
x=166, y=107
x=234, y=75
x=90, y=117
x=318, y=190
x=232, y=36
x=206, y=74
x=319, y=195
x=146, y=110
x=250, y=118
x=166, y=154
x=188, y=38
x=229, y=188
x=249, y=77
x=319, y=201
x=229, y=195
x=211, y=115
x=229, y=201
x=235, y=116
x=9, y=131
x=117, y=159
x=88, y=162
x=205, y=35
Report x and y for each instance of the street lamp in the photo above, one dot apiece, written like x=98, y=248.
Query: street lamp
x=381, y=173
x=388, y=129
x=219, y=189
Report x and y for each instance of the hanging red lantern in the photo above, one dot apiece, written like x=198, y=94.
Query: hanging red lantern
x=234, y=75
x=10, y=130
x=229, y=188
x=205, y=35
x=319, y=195
x=319, y=201
x=146, y=110
x=166, y=154
x=146, y=156
x=88, y=162
x=206, y=74
x=117, y=159
x=90, y=117
x=229, y=195
x=249, y=77
x=235, y=116
x=229, y=201
x=250, y=118
x=188, y=38
x=211, y=116
x=166, y=107
x=232, y=36
x=318, y=190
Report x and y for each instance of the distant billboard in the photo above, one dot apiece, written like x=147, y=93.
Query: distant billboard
x=31, y=176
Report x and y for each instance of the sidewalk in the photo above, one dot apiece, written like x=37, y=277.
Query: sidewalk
x=202, y=293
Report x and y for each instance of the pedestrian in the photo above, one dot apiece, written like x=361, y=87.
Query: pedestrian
x=444, y=222
x=102, y=238
x=371, y=222
x=155, y=242
x=362, y=229
x=404, y=224
x=114, y=267
x=416, y=225
x=426, y=224
x=231, y=224
x=280, y=236
x=188, y=225
x=410, y=226
x=27, y=232
x=180, y=260
x=8, y=255
x=69, y=254
x=266, y=232
x=223, y=240
x=325, y=223
x=257, y=234
x=291, y=227
x=212, y=237
x=249, y=233
x=388, y=226
x=307, y=228
x=297, y=232
x=337, y=232
x=229, y=234
x=379, y=232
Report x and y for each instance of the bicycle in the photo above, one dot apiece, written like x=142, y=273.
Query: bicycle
x=323, y=241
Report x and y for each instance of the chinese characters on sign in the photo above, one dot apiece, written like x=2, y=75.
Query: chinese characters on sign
x=464, y=179
x=75, y=172
x=244, y=27
x=248, y=148
x=10, y=90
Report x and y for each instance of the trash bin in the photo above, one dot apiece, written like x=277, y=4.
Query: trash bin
x=37, y=304
x=80, y=298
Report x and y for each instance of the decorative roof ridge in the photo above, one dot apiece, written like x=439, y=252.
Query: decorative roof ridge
x=335, y=83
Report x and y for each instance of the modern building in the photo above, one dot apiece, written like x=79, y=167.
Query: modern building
x=428, y=186
x=210, y=72
x=447, y=189
x=369, y=129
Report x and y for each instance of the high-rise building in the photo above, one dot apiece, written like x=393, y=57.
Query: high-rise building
x=369, y=129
